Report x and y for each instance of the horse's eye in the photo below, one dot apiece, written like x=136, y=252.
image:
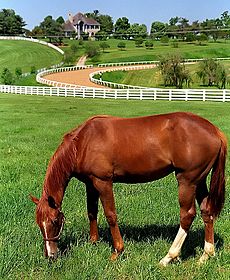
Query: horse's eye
x=55, y=221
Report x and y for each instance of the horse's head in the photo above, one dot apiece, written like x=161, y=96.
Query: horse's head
x=50, y=219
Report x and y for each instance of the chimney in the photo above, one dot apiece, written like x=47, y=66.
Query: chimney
x=70, y=17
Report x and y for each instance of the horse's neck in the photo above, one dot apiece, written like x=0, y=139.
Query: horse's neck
x=58, y=175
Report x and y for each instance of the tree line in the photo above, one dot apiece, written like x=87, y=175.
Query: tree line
x=177, y=27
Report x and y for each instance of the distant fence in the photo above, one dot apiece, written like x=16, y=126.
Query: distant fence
x=32, y=40
x=129, y=94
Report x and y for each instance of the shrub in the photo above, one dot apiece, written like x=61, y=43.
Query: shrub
x=165, y=40
x=91, y=50
x=7, y=77
x=139, y=41
x=149, y=44
x=18, y=72
x=121, y=45
x=33, y=70
x=104, y=45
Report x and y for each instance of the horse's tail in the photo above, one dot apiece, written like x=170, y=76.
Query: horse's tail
x=217, y=185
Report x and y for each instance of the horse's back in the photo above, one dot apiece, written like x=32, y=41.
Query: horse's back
x=145, y=148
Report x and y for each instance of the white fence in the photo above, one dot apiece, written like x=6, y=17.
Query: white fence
x=140, y=94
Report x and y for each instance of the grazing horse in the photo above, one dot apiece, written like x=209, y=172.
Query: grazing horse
x=107, y=149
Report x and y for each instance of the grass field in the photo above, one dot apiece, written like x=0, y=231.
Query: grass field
x=31, y=128
x=26, y=54
x=153, y=78
x=186, y=50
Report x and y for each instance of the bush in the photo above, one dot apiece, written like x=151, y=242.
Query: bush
x=91, y=50
x=74, y=47
x=138, y=42
x=104, y=45
x=7, y=77
x=18, y=72
x=33, y=70
x=149, y=44
x=165, y=40
x=121, y=45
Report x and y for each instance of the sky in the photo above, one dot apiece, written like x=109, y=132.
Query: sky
x=137, y=11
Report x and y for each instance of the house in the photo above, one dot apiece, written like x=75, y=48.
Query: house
x=81, y=24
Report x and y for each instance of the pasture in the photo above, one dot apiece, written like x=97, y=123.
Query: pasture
x=186, y=50
x=25, y=54
x=148, y=214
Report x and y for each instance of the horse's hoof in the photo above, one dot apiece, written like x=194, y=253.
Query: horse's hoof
x=114, y=256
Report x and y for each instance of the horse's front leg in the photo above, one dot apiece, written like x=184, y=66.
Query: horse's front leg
x=92, y=207
x=107, y=198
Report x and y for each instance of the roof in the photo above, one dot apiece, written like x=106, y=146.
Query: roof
x=68, y=26
x=80, y=17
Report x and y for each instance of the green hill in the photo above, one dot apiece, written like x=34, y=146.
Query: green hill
x=26, y=54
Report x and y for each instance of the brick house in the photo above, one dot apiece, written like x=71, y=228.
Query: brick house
x=81, y=24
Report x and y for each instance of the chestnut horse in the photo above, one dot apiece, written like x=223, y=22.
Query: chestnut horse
x=107, y=149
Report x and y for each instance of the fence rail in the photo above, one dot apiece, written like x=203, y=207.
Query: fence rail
x=138, y=94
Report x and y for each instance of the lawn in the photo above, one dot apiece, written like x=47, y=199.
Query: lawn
x=186, y=50
x=26, y=54
x=148, y=214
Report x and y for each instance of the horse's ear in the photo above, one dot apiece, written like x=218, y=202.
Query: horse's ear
x=34, y=199
x=52, y=202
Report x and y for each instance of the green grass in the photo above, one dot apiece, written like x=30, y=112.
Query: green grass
x=31, y=128
x=152, y=77
x=186, y=50
x=26, y=54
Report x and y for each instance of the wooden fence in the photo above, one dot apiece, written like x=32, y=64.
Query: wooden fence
x=139, y=94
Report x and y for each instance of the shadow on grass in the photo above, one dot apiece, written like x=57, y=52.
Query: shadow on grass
x=148, y=234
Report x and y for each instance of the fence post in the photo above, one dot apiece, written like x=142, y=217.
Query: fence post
x=224, y=95
x=204, y=95
x=141, y=94
x=127, y=94
x=170, y=95
x=83, y=93
x=155, y=94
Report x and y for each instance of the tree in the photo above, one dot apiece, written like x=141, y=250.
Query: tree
x=50, y=27
x=137, y=30
x=104, y=45
x=158, y=27
x=202, y=38
x=18, y=72
x=121, y=27
x=173, y=71
x=149, y=44
x=212, y=73
x=165, y=40
x=121, y=45
x=138, y=42
x=91, y=50
x=7, y=77
x=10, y=23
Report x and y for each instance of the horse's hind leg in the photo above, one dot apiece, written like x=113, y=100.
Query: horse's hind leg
x=187, y=214
x=107, y=198
x=92, y=207
x=201, y=196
